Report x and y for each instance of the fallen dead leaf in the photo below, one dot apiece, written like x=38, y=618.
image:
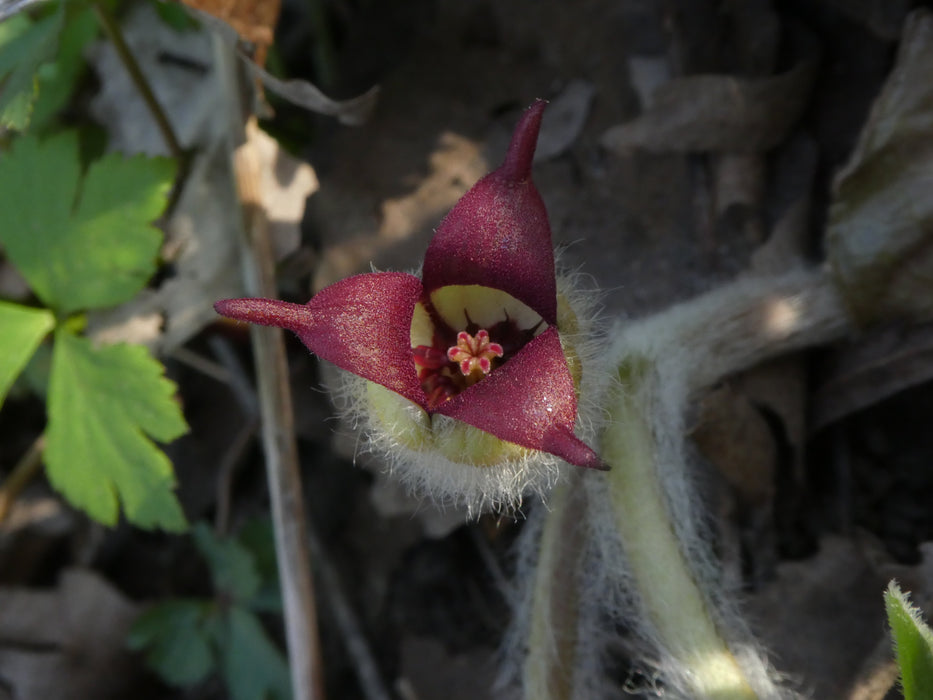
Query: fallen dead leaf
x=35, y=529
x=430, y=671
x=877, y=365
x=812, y=605
x=878, y=237
x=254, y=20
x=455, y=165
x=733, y=434
x=717, y=113
x=564, y=119
x=179, y=68
x=67, y=644
x=354, y=111
x=883, y=17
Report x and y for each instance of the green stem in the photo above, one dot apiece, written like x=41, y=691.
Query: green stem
x=663, y=361
x=667, y=586
x=548, y=670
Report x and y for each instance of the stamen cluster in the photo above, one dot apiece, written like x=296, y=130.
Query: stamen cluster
x=455, y=361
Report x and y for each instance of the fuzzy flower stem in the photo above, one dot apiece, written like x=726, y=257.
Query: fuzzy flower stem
x=644, y=539
x=738, y=325
x=661, y=362
x=548, y=669
x=670, y=594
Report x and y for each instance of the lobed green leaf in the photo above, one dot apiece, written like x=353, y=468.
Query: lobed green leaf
x=24, y=46
x=23, y=330
x=175, y=640
x=252, y=665
x=81, y=242
x=913, y=644
x=232, y=566
x=56, y=79
x=258, y=537
x=102, y=405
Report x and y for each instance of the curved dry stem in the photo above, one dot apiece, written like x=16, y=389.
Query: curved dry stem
x=24, y=472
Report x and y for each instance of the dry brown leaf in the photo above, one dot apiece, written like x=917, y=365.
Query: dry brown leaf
x=67, y=644
x=353, y=112
x=883, y=17
x=430, y=671
x=813, y=605
x=880, y=364
x=455, y=165
x=878, y=239
x=733, y=434
x=254, y=20
x=717, y=113
x=564, y=119
x=178, y=68
x=35, y=529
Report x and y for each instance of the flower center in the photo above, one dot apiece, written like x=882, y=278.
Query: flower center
x=474, y=354
x=444, y=374
x=462, y=333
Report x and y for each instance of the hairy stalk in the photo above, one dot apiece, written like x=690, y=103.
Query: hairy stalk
x=549, y=666
x=737, y=326
x=668, y=590
x=662, y=361
x=647, y=560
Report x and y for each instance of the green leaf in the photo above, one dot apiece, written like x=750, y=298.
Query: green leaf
x=252, y=665
x=24, y=46
x=176, y=17
x=233, y=568
x=23, y=330
x=57, y=79
x=81, y=243
x=258, y=537
x=102, y=404
x=913, y=644
x=175, y=640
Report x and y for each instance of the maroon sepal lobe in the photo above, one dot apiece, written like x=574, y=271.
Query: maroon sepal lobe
x=530, y=401
x=498, y=234
x=361, y=324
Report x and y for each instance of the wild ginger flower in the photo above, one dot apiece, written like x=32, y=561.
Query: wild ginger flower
x=476, y=340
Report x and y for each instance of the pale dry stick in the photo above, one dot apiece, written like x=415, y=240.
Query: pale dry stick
x=278, y=435
x=281, y=450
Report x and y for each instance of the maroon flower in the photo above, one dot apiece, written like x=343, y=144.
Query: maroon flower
x=476, y=338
